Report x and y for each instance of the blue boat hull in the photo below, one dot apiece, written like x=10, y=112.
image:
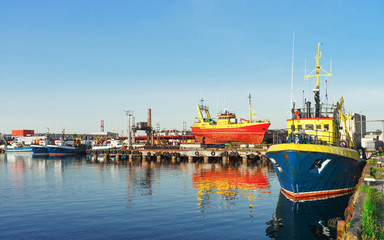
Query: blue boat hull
x=66, y=150
x=312, y=174
x=25, y=149
x=39, y=150
x=306, y=219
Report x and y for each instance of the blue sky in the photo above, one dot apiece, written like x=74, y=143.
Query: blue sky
x=69, y=64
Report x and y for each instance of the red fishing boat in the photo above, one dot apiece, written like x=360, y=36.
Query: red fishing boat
x=227, y=128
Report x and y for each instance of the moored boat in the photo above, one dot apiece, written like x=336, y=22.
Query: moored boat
x=40, y=148
x=18, y=147
x=227, y=128
x=317, y=162
x=108, y=144
x=66, y=148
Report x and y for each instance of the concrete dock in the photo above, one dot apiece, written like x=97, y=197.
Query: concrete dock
x=224, y=156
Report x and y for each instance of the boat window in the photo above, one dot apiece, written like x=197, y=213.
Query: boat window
x=308, y=126
x=299, y=127
x=326, y=127
x=318, y=127
x=292, y=128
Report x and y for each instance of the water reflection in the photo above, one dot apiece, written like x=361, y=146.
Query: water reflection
x=25, y=160
x=305, y=220
x=230, y=184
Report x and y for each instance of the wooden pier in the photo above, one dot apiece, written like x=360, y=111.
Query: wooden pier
x=225, y=156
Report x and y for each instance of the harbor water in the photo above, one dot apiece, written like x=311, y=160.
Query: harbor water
x=75, y=198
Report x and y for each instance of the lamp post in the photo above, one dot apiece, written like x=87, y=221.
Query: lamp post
x=129, y=113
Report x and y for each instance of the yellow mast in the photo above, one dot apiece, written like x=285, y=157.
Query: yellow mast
x=316, y=90
x=317, y=69
x=200, y=108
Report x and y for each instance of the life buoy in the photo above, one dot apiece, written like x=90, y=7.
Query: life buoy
x=197, y=153
x=213, y=153
x=343, y=144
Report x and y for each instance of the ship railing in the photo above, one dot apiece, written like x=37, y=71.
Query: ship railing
x=327, y=111
x=313, y=137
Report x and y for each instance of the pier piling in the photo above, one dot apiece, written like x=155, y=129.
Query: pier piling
x=179, y=155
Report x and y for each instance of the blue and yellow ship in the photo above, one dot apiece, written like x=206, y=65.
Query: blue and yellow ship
x=318, y=161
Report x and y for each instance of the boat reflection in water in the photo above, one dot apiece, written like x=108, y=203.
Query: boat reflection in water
x=28, y=161
x=229, y=185
x=306, y=219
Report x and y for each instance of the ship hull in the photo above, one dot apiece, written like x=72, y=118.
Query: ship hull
x=25, y=149
x=309, y=171
x=65, y=150
x=251, y=134
x=39, y=150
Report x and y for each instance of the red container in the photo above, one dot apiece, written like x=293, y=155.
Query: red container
x=22, y=133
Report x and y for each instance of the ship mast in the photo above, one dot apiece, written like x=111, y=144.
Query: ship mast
x=250, y=108
x=316, y=90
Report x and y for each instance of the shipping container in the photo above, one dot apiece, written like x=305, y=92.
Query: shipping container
x=22, y=133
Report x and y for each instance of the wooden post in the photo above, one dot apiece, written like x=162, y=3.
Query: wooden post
x=340, y=229
x=244, y=158
x=190, y=159
x=206, y=159
x=106, y=157
x=173, y=160
x=225, y=160
x=158, y=159
x=117, y=158
x=130, y=157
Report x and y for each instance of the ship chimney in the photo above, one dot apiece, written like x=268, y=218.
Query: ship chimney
x=149, y=118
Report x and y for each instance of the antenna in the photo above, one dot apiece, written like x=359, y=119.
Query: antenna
x=217, y=103
x=250, y=108
x=293, y=56
x=326, y=97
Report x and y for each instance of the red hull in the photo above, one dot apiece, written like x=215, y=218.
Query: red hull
x=252, y=134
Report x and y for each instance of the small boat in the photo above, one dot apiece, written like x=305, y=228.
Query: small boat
x=18, y=147
x=67, y=148
x=108, y=144
x=227, y=128
x=316, y=162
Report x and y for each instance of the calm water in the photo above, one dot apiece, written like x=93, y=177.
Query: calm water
x=72, y=198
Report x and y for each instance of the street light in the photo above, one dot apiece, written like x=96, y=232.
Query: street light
x=129, y=113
